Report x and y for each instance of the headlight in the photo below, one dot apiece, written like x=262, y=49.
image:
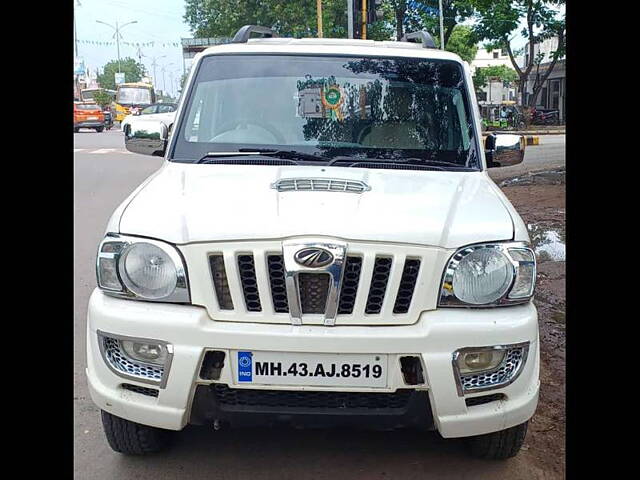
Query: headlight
x=142, y=269
x=489, y=275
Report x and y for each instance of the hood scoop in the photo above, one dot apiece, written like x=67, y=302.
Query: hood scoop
x=320, y=185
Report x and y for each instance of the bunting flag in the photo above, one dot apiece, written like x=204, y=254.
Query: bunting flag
x=134, y=44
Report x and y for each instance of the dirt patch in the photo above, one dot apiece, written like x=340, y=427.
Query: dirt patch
x=540, y=200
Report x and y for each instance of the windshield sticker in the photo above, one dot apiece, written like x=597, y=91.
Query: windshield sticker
x=332, y=99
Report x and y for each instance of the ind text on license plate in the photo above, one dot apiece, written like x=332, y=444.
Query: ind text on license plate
x=321, y=369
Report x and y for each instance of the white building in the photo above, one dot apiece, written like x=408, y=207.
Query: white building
x=490, y=58
x=494, y=92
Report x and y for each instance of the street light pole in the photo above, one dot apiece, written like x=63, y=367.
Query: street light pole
x=441, y=25
x=154, y=63
x=164, y=85
x=117, y=35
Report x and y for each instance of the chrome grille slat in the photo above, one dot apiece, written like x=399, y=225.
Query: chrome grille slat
x=320, y=184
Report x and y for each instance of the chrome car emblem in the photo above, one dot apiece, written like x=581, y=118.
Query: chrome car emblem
x=313, y=257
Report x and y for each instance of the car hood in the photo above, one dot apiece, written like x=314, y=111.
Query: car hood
x=186, y=203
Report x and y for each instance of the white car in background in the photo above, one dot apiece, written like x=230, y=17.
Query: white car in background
x=163, y=112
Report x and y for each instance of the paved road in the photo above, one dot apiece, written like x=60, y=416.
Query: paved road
x=104, y=175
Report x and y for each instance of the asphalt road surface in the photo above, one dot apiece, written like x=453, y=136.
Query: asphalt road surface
x=105, y=174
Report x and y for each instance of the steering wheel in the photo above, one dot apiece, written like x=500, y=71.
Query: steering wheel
x=367, y=130
x=235, y=125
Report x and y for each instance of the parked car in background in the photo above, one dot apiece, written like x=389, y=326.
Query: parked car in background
x=164, y=112
x=87, y=115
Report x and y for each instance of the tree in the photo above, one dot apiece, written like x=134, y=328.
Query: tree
x=507, y=75
x=102, y=98
x=412, y=15
x=498, y=21
x=223, y=18
x=133, y=72
x=461, y=42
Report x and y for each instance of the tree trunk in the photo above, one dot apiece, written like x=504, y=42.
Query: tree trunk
x=447, y=33
x=400, y=10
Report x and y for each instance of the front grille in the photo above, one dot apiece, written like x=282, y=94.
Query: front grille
x=277, y=282
x=149, y=392
x=473, y=401
x=314, y=288
x=381, y=271
x=407, y=285
x=116, y=358
x=220, y=282
x=226, y=396
x=249, y=283
x=379, y=287
x=352, y=268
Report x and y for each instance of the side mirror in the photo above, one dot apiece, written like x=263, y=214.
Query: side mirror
x=504, y=149
x=148, y=137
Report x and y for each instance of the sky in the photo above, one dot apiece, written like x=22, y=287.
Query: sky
x=159, y=21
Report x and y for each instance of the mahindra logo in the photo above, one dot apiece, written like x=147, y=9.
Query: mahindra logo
x=313, y=257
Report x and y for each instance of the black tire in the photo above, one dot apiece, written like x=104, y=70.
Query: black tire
x=76, y=130
x=99, y=129
x=130, y=438
x=499, y=445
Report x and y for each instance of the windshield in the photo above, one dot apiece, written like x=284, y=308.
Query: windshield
x=359, y=107
x=87, y=107
x=134, y=95
x=88, y=94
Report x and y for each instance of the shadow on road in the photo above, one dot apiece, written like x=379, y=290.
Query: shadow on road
x=285, y=453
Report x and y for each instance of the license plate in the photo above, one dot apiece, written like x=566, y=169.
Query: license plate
x=92, y=118
x=311, y=369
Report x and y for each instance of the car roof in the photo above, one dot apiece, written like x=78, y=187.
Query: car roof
x=328, y=46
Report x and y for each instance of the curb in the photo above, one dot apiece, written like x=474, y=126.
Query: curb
x=532, y=132
x=529, y=139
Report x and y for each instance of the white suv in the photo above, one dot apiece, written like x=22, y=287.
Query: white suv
x=322, y=244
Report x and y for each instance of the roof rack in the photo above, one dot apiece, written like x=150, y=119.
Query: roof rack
x=245, y=32
x=427, y=39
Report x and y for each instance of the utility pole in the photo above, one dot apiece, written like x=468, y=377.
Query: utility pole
x=117, y=36
x=364, y=19
x=441, y=25
x=164, y=85
x=154, y=64
x=319, y=15
x=350, y=18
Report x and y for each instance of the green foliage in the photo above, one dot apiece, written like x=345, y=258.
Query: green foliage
x=461, y=42
x=102, y=98
x=507, y=75
x=498, y=20
x=222, y=18
x=133, y=72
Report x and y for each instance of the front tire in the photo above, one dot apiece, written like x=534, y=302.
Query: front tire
x=99, y=129
x=130, y=438
x=499, y=445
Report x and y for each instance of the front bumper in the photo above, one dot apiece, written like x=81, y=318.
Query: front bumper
x=89, y=124
x=434, y=338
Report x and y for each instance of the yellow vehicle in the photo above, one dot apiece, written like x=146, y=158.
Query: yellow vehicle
x=131, y=96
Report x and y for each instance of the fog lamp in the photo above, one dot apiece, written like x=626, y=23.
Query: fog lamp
x=145, y=352
x=478, y=360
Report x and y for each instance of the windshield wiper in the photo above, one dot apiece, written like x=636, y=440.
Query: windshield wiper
x=419, y=162
x=290, y=154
